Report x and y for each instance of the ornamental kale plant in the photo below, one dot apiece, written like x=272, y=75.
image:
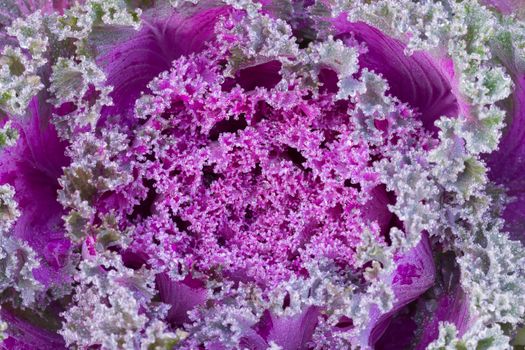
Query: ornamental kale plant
x=274, y=174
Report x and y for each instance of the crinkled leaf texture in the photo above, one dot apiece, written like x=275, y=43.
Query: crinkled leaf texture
x=232, y=188
x=33, y=167
x=507, y=163
x=414, y=275
x=421, y=80
x=131, y=64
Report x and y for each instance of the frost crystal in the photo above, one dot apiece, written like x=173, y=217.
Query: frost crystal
x=8, y=135
x=94, y=174
x=18, y=81
x=422, y=24
x=17, y=259
x=77, y=21
x=30, y=33
x=8, y=208
x=477, y=338
x=106, y=310
x=80, y=84
x=492, y=277
x=70, y=80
